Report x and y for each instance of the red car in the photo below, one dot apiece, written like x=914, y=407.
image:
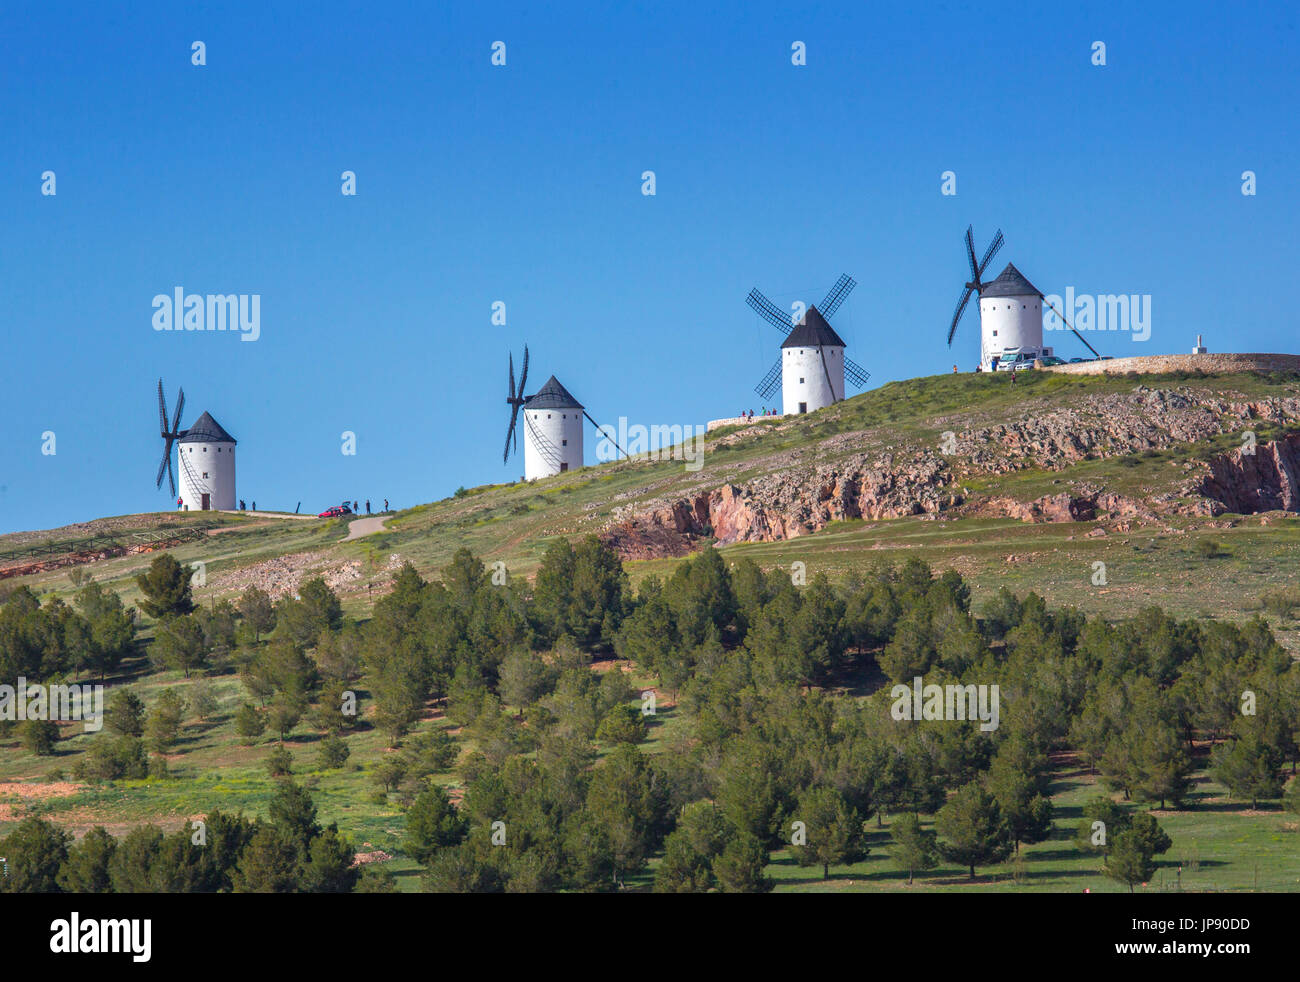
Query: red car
x=335, y=511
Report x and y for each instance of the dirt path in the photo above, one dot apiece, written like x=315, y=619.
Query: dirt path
x=365, y=526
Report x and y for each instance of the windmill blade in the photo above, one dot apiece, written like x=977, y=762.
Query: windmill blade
x=769, y=311
x=855, y=373
x=965, y=298
x=171, y=478
x=767, y=385
x=162, y=464
x=604, y=432
x=180, y=407
x=1052, y=308
x=826, y=369
x=162, y=417
x=511, y=396
x=523, y=376
x=970, y=253
x=842, y=288
x=511, y=439
x=994, y=246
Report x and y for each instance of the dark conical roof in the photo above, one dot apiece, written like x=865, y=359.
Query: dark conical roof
x=552, y=395
x=813, y=332
x=206, y=430
x=1010, y=283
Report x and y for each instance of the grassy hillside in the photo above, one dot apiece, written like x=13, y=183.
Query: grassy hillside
x=515, y=522
x=1193, y=566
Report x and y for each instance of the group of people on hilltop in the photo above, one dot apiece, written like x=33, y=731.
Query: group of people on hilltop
x=749, y=413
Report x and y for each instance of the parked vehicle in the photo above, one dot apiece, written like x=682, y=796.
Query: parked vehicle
x=1017, y=362
x=1052, y=360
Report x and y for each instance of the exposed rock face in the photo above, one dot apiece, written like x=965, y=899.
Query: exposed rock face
x=789, y=504
x=1065, y=507
x=1266, y=480
x=802, y=492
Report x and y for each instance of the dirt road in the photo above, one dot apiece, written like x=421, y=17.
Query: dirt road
x=365, y=526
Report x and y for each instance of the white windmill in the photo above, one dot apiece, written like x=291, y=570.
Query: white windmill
x=206, y=454
x=1011, y=311
x=552, y=426
x=812, y=367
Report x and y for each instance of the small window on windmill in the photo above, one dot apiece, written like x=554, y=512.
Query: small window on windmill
x=801, y=381
x=205, y=475
x=564, y=443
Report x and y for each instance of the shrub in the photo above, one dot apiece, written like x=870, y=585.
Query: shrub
x=622, y=724
x=249, y=723
x=1209, y=549
x=40, y=736
x=334, y=751
x=279, y=762
x=109, y=760
x=1281, y=602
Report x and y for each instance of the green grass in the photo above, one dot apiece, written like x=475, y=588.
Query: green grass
x=1219, y=845
x=1160, y=563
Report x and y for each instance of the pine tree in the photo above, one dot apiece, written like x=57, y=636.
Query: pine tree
x=739, y=868
x=166, y=588
x=432, y=823
x=913, y=847
x=1248, y=767
x=33, y=852
x=832, y=828
x=1128, y=861
x=86, y=870
x=971, y=829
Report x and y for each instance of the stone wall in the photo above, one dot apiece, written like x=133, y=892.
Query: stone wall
x=1152, y=364
x=738, y=421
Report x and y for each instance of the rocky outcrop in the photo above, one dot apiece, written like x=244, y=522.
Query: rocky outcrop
x=1245, y=483
x=1065, y=507
x=787, y=504
x=800, y=493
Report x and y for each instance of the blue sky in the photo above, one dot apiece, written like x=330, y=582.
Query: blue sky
x=522, y=184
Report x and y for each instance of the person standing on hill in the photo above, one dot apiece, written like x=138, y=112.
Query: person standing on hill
x=385, y=504
x=367, y=506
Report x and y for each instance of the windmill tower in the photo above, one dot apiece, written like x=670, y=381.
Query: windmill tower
x=552, y=426
x=1011, y=310
x=552, y=431
x=206, y=454
x=1011, y=318
x=812, y=367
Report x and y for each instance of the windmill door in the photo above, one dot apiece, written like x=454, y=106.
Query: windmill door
x=564, y=465
x=207, y=502
x=803, y=408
